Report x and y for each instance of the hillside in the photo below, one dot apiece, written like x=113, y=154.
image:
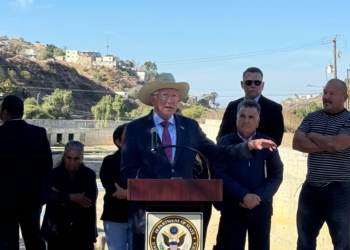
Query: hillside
x=37, y=78
x=88, y=85
x=296, y=103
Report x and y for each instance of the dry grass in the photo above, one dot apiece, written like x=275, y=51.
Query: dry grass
x=287, y=140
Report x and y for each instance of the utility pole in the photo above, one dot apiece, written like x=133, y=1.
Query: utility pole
x=335, y=56
x=348, y=88
x=107, y=46
x=37, y=104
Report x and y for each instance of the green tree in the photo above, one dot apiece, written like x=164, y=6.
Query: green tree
x=58, y=52
x=151, y=68
x=33, y=110
x=7, y=87
x=119, y=106
x=212, y=100
x=12, y=74
x=107, y=79
x=46, y=55
x=10, y=86
x=59, y=104
x=50, y=48
x=209, y=100
x=302, y=112
x=26, y=75
x=139, y=112
x=97, y=77
x=194, y=112
x=109, y=108
x=314, y=107
x=49, y=52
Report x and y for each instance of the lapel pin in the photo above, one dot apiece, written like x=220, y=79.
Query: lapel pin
x=181, y=127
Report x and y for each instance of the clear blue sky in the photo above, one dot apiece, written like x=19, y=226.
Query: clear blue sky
x=248, y=33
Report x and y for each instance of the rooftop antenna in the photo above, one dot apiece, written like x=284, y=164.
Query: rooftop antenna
x=107, y=46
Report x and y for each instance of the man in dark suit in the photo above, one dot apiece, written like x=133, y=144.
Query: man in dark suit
x=249, y=186
x=271, y=118
x=26, y=159
x=164, y=95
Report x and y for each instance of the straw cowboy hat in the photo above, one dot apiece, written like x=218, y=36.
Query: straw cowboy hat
x=163, y=81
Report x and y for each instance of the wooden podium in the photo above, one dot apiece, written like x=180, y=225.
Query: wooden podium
x=175, y=197
x=174, y=190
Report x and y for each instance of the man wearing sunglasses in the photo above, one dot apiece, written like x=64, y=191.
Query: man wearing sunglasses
x=271, y=118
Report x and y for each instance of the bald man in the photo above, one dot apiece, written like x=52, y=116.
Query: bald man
x=325, y=195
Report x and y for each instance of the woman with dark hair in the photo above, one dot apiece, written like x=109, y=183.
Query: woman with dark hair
x=71, y=193
x=116, y=222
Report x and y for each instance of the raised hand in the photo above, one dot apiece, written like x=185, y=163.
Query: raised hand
x=262, y=143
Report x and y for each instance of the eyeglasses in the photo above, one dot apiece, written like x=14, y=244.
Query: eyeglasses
x=167, y=96
x=250, y=82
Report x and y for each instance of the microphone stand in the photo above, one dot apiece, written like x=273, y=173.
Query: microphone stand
x=203, y=158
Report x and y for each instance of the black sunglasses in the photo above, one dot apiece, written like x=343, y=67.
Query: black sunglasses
x=250, y=82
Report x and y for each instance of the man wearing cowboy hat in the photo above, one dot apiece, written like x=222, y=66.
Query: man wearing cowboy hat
x=164, y=94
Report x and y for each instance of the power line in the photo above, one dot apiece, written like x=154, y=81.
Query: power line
x=74, y=90
x=108, y=92
x=227, y=57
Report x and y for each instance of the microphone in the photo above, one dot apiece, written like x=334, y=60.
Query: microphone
x=155, y=148
x=154, y=143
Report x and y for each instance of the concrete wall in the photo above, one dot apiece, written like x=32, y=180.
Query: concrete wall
x=83, y=131
x=284, y=232
x=86, y=131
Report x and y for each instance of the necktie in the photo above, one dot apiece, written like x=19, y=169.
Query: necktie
x=166, y=139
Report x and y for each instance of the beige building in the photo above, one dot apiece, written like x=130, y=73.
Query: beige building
x=107, y=61
x=143, y=75
x=85, y=58
x=123, y=94
x=72, y=56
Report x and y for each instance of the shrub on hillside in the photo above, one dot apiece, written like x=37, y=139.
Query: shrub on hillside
x=194, y=112
x=26, y=75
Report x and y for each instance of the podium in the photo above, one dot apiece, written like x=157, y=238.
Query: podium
x=174, y=209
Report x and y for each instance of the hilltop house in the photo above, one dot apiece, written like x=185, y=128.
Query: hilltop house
x=123, y=94
x=85, y=58
x=107, y=61
x=30, y=53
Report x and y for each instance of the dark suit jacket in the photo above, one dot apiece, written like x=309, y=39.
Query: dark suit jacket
x=137, y=159
x=271, y=119
x=248, y=176
x=25, y=160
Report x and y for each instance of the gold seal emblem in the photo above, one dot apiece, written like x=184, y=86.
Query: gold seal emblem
x=174, y=233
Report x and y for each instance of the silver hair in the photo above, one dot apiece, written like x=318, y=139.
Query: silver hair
x=70, y=146
x=74, y=146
